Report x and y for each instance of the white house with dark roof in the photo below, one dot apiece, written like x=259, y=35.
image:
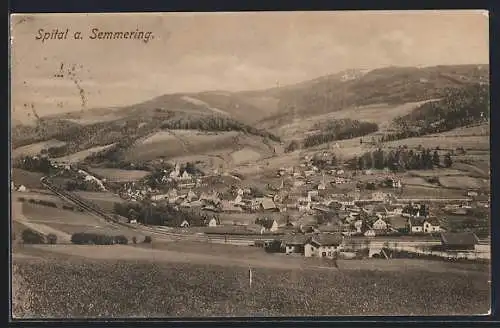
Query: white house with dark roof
x=323, y=245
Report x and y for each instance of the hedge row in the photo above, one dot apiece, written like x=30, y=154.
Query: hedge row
x=31, y=236
x=82, y=238
x=49, y=204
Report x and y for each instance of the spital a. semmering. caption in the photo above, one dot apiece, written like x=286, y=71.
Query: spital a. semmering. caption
x=94, y=34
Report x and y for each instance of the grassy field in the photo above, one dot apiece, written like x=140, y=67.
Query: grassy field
x=81, y=155
x=36, y=148
x=422, y=192
x=69, y=286
x=69, y=222
x=461, y=182
x=118, y=175
x=467, y=142
x=105, y=200
x=381, y=114
x=30, y=180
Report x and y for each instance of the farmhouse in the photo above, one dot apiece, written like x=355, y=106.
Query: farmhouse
x=459, y=241
x=267, y=204
x=323, y=245
x=185, y=224
x=294, y=244
x=212, y=222
x=425, y=225
x=22, y=188
x=379, y=225
x=269, y=225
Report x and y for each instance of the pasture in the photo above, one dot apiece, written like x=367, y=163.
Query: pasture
x=444, y=143
x=421, y=192
x=118, y=175
x=113, y=283
x=36, y=148
x=69, y=222
x=81, y=155
x=105, y=200
x=30, y=180
x=462, y=182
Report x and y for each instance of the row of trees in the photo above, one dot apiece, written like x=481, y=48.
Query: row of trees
x=339, y=130
x=83, y=238
x=161, y=214
x=215, y=123
x=402, y=159
x=34, y=164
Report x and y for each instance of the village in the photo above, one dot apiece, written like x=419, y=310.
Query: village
x=307, y=210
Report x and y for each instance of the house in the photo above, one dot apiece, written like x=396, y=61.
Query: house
x=358, y=225
x=330, y=228
x=431, y=225
x=459, y=240
x=295, y=243
x=323, y=245
x=393, y=210
x=416, y=224
x=185, y=224
x=369, y=233
x=482, y=200
x=22, y=188
x=380, y=225
x=304, y=204
x=269, y=225
x=191, y=196
x=379, y=196
x=472, y=193
x=423, y=225
x=212, y=222
x=267, y=204
x=227, y=206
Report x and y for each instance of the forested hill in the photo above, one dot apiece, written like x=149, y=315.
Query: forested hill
x=458, y=108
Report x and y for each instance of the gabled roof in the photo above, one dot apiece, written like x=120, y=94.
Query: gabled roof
x=417, y=221
x=295, y=239
x=327, y=239
x=433, y=220
x=268, y=203
x=459, y=238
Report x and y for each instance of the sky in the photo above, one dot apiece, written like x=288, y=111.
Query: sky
x=193, y=52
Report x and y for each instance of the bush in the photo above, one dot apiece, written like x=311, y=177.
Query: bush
x=21, y=199
x=68, y=207
x=148, y=240
x=51, y=239
x=33, y=237
x=122, y=240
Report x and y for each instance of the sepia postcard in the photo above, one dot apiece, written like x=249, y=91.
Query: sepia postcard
x=250, y=164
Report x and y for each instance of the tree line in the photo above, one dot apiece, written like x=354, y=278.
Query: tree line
x=402, y=159
x=339, y=130
x=215, y=123
x=161, y=214
x=34, y=164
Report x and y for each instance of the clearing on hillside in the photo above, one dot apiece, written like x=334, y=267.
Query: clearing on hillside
x=36, y=148
x=82, y=155
x=118, y=175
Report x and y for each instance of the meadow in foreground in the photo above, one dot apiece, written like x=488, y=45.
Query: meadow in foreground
x=91, y=288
